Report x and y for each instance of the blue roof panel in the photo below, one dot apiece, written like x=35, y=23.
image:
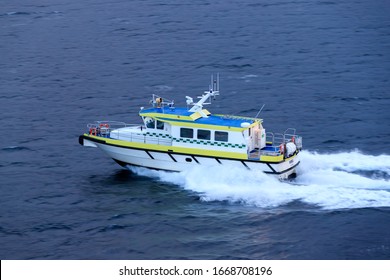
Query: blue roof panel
x=223, y=121
x=169, y=111
x=220, y=120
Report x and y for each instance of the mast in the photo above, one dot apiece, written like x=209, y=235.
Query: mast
x=212, y=92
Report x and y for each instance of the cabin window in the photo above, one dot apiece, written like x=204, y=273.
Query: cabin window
x=150, y=123
x=160, y=125
x=204, y=134
x=186, y=132
x=221, y=136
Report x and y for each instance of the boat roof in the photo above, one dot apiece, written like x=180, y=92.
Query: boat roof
x=185, y=116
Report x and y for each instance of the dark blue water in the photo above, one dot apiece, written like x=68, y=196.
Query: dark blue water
x=322, y=67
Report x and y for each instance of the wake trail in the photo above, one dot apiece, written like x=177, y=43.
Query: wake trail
x=329, y=181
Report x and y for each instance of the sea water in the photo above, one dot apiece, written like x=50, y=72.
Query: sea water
x=321, y=67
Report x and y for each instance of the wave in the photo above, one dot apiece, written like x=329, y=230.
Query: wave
x=19, y=13
x=325, y=181
x=15, y=148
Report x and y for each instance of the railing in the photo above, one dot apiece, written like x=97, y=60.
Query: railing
x=140, y=138
x=111, y=124
x=233, y=117
x=277, y=139
x=281, y=138
x=104, y=128
x=111, y=129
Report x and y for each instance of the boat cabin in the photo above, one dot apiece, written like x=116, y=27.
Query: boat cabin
x=203, y=130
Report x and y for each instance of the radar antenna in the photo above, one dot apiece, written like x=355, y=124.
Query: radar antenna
x=212, y=92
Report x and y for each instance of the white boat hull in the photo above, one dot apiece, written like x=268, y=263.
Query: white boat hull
x=171, y=161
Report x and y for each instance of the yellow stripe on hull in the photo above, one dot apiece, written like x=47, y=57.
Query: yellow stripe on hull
x=279, y=158
x=271, y=158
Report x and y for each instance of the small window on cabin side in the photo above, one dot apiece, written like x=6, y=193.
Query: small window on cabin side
x=150, y=123
x=160, y=125
x=186, y=132
x=204, y=134
x=221, y=136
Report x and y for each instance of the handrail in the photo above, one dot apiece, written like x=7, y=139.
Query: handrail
x=282, y=138
x=111, y=129
x=141, y=138
x=293, y=131
x=115, y=124
x=233, y=117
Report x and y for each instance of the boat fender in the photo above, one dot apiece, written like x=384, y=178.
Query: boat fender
x=92, y=131
x=290, y=148
x=281, y=148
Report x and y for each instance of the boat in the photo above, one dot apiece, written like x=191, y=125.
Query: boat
x=178, y=139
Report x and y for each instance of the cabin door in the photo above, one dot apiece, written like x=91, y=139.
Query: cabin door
x=251, y=141
x=256, y=138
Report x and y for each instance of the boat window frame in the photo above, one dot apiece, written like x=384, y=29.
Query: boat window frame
x=183, y=134
x=151, y=124
x=221, y=138
x=208, y=137
x=158, y=125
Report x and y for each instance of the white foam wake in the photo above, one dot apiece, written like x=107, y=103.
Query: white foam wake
x=329, y=181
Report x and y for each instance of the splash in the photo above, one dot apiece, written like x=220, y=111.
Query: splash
x=328, y=181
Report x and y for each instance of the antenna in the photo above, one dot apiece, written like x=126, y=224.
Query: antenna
x=258, y=113
x=216, y=83
x=212, y=92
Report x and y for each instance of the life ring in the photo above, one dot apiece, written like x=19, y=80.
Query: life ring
x=92, y=131
x=104, y=125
